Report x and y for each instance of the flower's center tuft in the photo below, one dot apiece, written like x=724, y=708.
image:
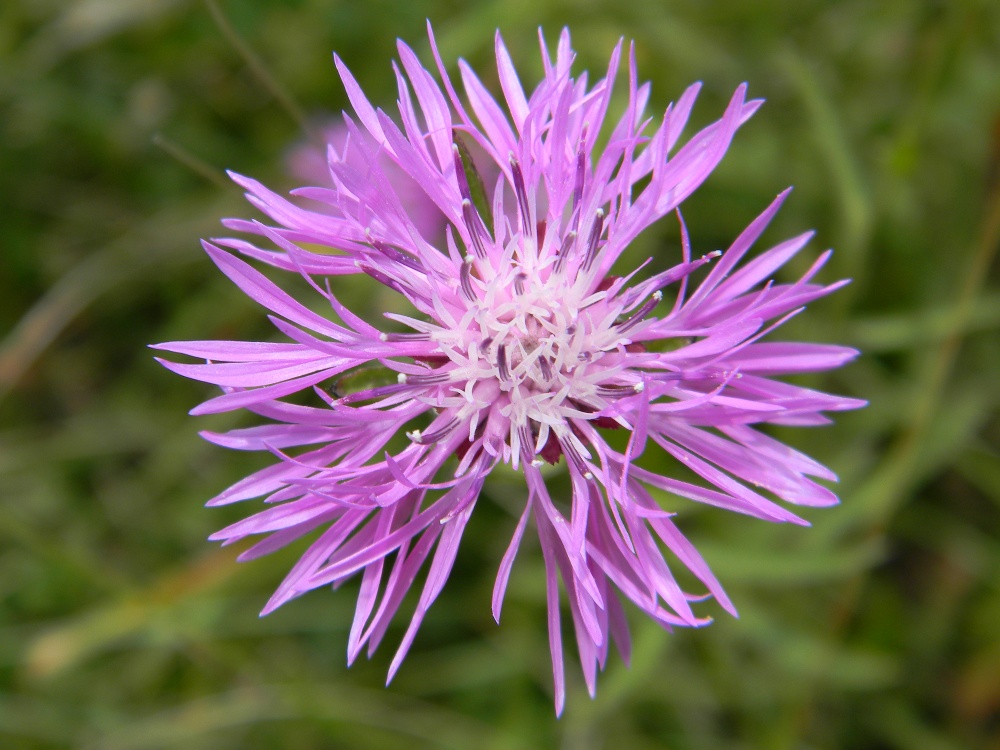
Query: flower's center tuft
x=532, y=336
x=532, y=350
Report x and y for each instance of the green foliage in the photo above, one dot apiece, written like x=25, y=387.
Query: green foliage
x=120, y=627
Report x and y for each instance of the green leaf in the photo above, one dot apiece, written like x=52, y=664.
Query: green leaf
x=476, y=185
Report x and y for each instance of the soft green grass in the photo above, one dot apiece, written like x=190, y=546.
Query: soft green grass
x=120, y=627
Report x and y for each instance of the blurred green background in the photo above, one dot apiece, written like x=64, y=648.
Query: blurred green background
x=121, y=627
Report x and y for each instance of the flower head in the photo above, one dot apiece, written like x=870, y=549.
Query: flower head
x=308, y=162
x=522, y=347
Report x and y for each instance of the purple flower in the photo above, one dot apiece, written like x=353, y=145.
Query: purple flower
x=522, y=347
x=310, y=163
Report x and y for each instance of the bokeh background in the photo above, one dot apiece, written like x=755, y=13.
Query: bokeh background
x=121, y=627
